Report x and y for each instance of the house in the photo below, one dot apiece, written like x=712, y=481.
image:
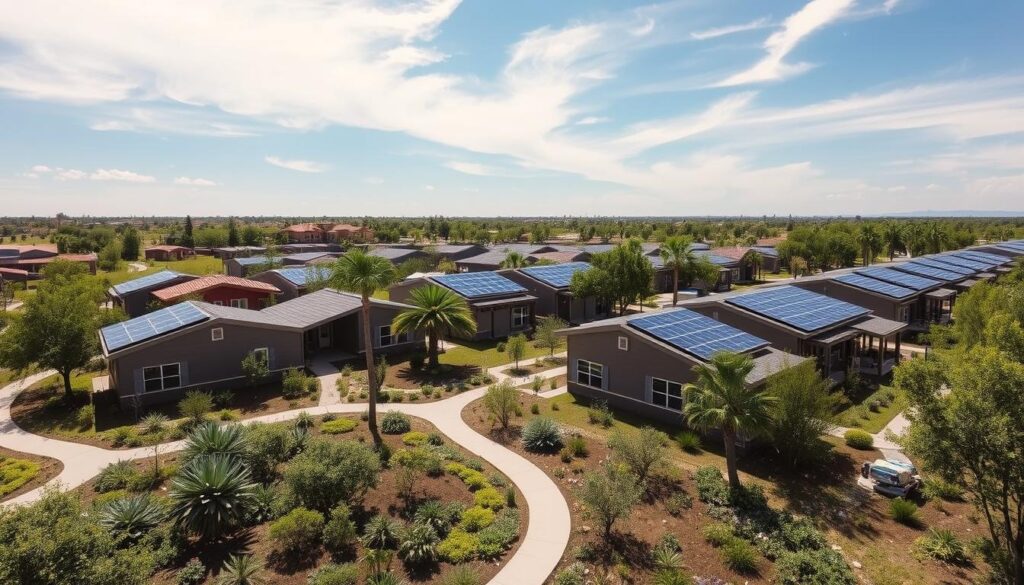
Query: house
x=133, y=296
x=168, y=253
x=238, y=252
x=550, y=284
x=15, y=275
x=220, y=289
x=500, y=306
x=560, y=257
x=641, y=363
x=346, y=232
x=295, y=281
x=157, y=357
x=457, y=251
x=303, y=248
x=486, y=262
x=885, y=299
x=243, y=267
x=303, y=258
x=1012, y=249
x=314, y=233
x=397, y=255
x=34, y=258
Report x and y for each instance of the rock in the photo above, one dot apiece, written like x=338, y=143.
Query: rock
x=585, y=529
x=836, y=547
x=856, y=564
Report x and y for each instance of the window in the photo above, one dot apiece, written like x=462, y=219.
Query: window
x=589, y=374
x=520, y=316
x=667, y=394
x=217, y=333
x=623, y=343
x=262, y=354
x=219, y=303
x=240, y=303
x=386, y=338
x=164, y=377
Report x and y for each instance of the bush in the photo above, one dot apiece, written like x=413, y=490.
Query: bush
x=574, y=574
x=419, y=545
x=642, y=451
x=115, y=476
x=195, y=406
x=458, y=547
x=500, y=348
x=814, y=567
x=688, y=441
x=340, y=531
x=942, y=545
x=298, y=531
x=489, y=497
x=332, y=574
x=223, y=398
x=677, y=502
x=85, y=416
x=859, y=439
x=712, y=488
x=577, y=445
x=210, y=439
x=338, y=426
x=499, y=536
x=394, y=423
x=943, y=490
x=502, y=402
x=154, y=423
x=461, y=575
x=131, y=517
x=265, y=446
x=381, y=533
x=416, y=360
x=121, y=435
x=718, y=534
x=476, y=518
x=534, y=408
x=192, y=573
x=327, y=473
x=415, y=438
x=740, y=556
x=541, y=434
x=904, y=512
x=600, y=414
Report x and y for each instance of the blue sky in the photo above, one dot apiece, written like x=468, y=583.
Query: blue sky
x=371, y=107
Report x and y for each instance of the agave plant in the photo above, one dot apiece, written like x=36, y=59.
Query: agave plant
x=433, y=514
x=299, y=439
x=263, y=500
x=241, y=570
x=381, y=533
x=385, y=578
x=115, y=476
x=132, y=516
x=418, y=545
x=666, y=559
x=211, y=495
x=210, y=439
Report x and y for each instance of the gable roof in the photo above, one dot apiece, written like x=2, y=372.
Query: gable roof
x=303, y=227
x=320, y=307
x=206, y=283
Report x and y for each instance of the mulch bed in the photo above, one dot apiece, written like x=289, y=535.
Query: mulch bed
x=48, y=469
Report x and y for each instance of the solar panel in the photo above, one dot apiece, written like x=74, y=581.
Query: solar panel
x=945, y=266
x=943, y=274
x=696, y=334
x=966, y=256
x=121, y=335
x=985, y=256
x=146, y=281
x=797, y=307
x=1016, y=245
x=299, y=276
x=957, y=261
x=253, y=260
x=877, y=286
x=556, y=275
x=479, y=284
x=911, y=281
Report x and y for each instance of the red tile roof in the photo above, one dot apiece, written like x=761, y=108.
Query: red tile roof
x=168, y=248
x=205, y=283
x=735, y=252
x=303, y=227
x=559, y=257
x=347, y=227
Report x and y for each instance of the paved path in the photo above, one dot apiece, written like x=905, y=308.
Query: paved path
x=137, y=267
x=541, y=548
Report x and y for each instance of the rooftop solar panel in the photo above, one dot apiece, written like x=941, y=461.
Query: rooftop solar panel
x=876, y=286
x=911, y=281
x=300, y=275
x=253, y=260
x=798, y=308
x=1016, y=245
x=132, y=331
x=696, y=334
x=913, y=267
x=985, y=256
x=479, y=284
x=988, y=263
x=146, y=281
x=556, y=275
x=945, y=266
x=957, y=261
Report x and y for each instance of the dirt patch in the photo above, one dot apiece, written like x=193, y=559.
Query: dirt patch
x=541, y=365
x=48, y=469
x=403, y=376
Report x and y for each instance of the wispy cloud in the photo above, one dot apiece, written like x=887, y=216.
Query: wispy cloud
x=721, y=31
x=194, y=182
x=303, y=166
x=121, y=175
x=591, y=120
x=63, y=174
x=471, y=168
x=174, y=120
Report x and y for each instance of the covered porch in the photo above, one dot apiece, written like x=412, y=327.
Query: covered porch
x=877, y=347
x=934, y=307
x=833, y=351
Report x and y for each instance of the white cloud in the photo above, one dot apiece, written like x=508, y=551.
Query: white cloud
x=591, y=120
x=813, y=16
x=470, y=168
x=890, y=5
x=70, y=175
x=120, y=175
x=194, y=182
x=665, y=131
x=173, y=121
x=428, y=187
x=303, y=166
x=713, y=33
x=40, y=169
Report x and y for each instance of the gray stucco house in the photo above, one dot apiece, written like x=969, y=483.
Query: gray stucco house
x=550, y=284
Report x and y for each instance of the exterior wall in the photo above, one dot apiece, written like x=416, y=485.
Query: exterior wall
x=469, y=267
x=167, y=255
x=347, y=333
x=547, y=297
x=223, y=295
x=467, y=253
x=288, y=289
x=400, y=292
x=204, y=363
x=888, y=309
x=496, y=322
x=778, y=337
x=137, y=302
x=304, y=237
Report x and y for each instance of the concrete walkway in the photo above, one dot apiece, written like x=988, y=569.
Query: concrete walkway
x=541, y=548
x=137, y=267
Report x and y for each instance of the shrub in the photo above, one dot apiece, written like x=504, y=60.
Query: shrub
x=476, y=518
x=500, y=348
x=942, y=545
x=327, y=473
x=298, y=531
x=223, y=398
x=381, y=533
x=192, y=573
x=672, y=577
x=510, y=497
x=210, y=439
x=489, y=497
x=904, y=512
x=154, y=423
x=718, y=534
x=458, y=547
x=565, y=455
x=419, y=545
x=600, y=414
x=85, y=416
x=121, y=435
x=195, y=406
x=264, y=504
x=740, y=556
x=131, y=517
x=554, y=406
x=666, y=558
x=432, y=513
x=609, y=494
x=499, y=536
x=536, y=384
x=574, y=574
x=541, y=434
x=332, y=574
x=859, y=439
x=265, y=446
x=394, y=423
x=414, y=438
x=677, y=502
x=338, y=426
x=293, y=384
x=711, y=486
x=534, y=408
x=941, y=489
x=227, y=415
x=340, y=531
x=240, y=570
x=115, y=476
x=688, y=441
x=577, y=445
x=641, y=451
x=502, y=401
x=461, y=575
x=814, y=567
x=416, y=360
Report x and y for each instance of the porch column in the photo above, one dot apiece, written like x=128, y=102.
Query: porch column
x=898, y=355
x=881, y=355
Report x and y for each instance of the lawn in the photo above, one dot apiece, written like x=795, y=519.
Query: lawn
x=484, y=354
x=197, y=265
x=15, y=473
x=871, y=410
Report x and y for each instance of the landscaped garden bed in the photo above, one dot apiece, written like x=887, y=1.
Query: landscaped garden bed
x=24, y=472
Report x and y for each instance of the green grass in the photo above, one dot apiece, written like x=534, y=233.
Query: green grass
x=15, y=473
x=198, y=265
x=857, y=414
x=484, y=354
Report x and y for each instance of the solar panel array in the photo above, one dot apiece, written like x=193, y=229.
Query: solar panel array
x=479, y=284
x=944, y=275
x=1014, y=245
x=984, y=261
x=556, y=275
x=299, y=276
x=903, y=279
x=696, y=334
x=253, y=260
x=146, y=281
x=797, y=307
x=132, y=331
x=955, y=261
x=877, y=286
x=944, y=266
x=985, y=256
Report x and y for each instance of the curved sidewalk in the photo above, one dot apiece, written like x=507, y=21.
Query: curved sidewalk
x=541, y=548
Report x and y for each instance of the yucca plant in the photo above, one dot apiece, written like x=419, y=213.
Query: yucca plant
x=154, y=423
x=671, y=577
x=943, y=545
x=115, y=476
x=211, y=495
x=381, y=533
x=131, y=517
x=209, y=439
x=241, y=570
x=434, y=514
x=385, y=578
x=462, y=575
x=418, y=545
x=666, y=559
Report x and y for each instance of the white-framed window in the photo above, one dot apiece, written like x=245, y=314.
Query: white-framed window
x=589, y=374
x=240, y=303
x=263, y=354
x=520, y=316
x=162, y=377
x=623, y=343
x=219, y=303
x=217, y=334
x=667, y=394
x=386, y=338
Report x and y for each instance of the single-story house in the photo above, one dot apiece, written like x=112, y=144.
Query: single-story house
x=501, y=307
x=885, y=299
x=155, y=358
x=486, y=262
x=550, y=284
x=168, y=253
x=1013, y=249
x=302, y=248
x=243, y=267
x=315, y=233
x=457, y=251
x=641, y=363
x=219, y=289
x=16, y=275
x=34, y=258
x=133, y=296
x=397, y=255
x=303, y=258
x=238, y=252
x=294, y=281
x=561, y=257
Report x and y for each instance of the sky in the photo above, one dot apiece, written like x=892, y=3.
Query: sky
x=526, y=108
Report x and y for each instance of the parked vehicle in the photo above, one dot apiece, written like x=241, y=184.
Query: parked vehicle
x=891, y=478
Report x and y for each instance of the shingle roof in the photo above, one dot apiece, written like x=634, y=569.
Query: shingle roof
x=306, y=256
x=393, y=253
x=492, y=258
x=205, y=283
x=319, y=307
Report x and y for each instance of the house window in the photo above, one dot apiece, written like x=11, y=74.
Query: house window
x=589, y=374
x=163, y=377
x=217, y=333
x=623, y=343
x=667, y=394
x=240, y=303
x=219, y=303
x=386, y=338
x=262, y=354
x=519, y=316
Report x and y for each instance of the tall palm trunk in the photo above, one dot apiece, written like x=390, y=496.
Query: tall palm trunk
x=371, y=374
x=433, y=348
x=729, y=436
x=675, y=286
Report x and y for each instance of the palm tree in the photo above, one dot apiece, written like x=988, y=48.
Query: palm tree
x=435, y=310
x=211, y=495
x=361, y=273
x=513, y=259
x=892, y=236
x=721, y=399
x=870, y=243
x=677, y=255
x=936, y=237
x=756, y=262
x=241, y=570
x=913, y=238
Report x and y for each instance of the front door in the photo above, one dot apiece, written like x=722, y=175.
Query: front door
x=324, y=336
